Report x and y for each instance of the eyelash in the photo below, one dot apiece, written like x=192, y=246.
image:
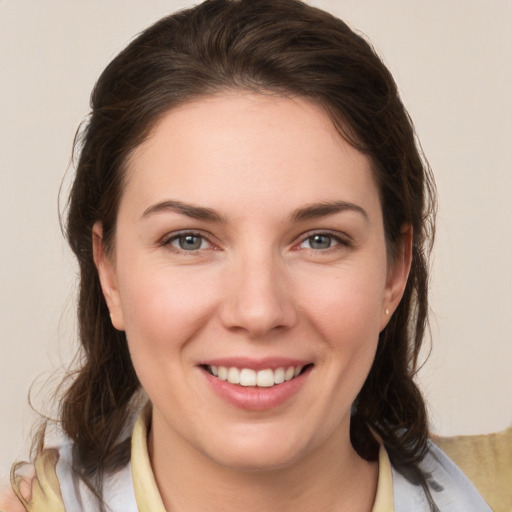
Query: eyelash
x=175, y=237
x=335, y=237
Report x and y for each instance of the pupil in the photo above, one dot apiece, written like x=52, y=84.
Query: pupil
x=320, y=242
x=190, y=242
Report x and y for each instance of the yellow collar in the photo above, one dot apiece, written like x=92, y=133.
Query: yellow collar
x=146, y=492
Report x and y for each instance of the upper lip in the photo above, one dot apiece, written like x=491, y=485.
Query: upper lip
x=255, y=364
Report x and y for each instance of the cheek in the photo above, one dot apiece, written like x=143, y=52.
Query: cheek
x=346, y=305
x=352, y=332
x=345, y=312
x=163, y=311
x=163, y=308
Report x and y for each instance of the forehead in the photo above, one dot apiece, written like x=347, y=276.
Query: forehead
x=248, y=148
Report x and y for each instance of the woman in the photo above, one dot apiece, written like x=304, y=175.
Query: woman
x=252, y=218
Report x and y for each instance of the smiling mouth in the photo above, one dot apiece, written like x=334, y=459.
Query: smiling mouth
x=265, y=378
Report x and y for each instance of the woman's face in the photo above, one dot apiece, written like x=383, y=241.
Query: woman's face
x=250, y=247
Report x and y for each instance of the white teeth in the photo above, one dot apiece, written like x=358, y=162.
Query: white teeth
x=234, y=375
x=247, y=377
x=262, y=378
x=288, y=374
x=279, y=376
x=265, y=378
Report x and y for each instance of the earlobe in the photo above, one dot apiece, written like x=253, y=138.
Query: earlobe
x=398, y=274
x=107, y=275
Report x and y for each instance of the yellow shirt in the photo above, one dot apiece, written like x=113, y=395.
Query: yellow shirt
x=46, y=492
x=148, y=498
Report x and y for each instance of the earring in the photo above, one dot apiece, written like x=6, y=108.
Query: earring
x=387, y=311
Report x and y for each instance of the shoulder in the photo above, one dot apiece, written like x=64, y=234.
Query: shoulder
x=9, y=503
x=487, y=461
x=9, y=500
x=450, y=488
x=34, y=486
x=56, y=486
x=117, y=492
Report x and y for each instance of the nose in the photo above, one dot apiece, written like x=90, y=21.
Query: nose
x=258, y=298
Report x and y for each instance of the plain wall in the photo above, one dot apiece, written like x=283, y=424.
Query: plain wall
x=452, y=61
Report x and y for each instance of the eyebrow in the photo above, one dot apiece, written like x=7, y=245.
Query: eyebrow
x=195, y=212
x=309, y=212
x=324, y=209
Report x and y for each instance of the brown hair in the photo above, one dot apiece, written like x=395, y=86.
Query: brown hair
x=277, y=46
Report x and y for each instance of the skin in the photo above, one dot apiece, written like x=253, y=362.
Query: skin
x=9, y=502
x=256, y=287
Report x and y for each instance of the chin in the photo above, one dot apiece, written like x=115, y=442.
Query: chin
x=258, y=453
x=256, y=461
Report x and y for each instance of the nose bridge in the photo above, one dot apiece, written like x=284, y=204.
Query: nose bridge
x=257, y=299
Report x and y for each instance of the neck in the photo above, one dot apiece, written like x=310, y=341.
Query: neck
x=330, y=478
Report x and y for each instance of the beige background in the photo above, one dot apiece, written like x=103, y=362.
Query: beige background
x=452, y=60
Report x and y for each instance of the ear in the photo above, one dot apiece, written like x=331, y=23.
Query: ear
x=398, y=274
x=107, y=274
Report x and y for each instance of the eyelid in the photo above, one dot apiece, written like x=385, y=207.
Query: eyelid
x=342, y=238
x=166, y=240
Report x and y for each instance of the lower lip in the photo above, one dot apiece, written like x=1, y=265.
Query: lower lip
x=254, y=398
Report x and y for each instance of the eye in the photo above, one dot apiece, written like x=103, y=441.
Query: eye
x=320, y=241
x=187, y=242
